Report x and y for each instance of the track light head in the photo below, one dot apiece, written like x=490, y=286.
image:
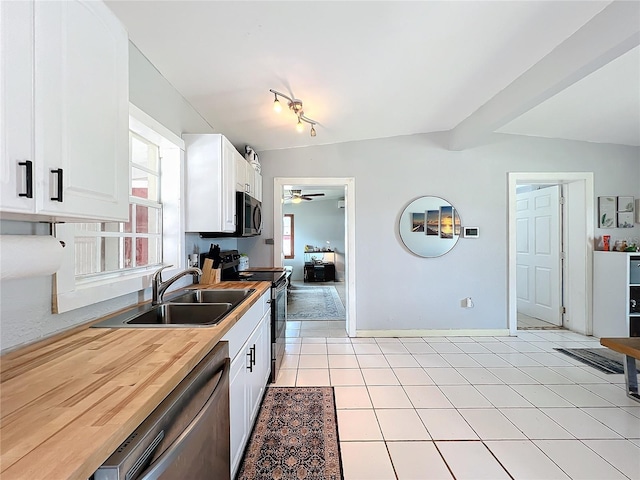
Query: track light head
x=276, y=104
x=295, y=106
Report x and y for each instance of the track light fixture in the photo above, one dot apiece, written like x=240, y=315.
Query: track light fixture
x=295, y=106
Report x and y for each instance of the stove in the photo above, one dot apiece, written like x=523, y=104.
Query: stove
x=278, y=279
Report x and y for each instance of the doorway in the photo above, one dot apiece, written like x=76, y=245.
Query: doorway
x=577, y=232
x=282, y=190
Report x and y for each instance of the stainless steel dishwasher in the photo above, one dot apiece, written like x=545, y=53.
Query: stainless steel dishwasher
x=186, y=436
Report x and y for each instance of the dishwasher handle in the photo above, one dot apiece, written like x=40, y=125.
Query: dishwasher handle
x=168, y=457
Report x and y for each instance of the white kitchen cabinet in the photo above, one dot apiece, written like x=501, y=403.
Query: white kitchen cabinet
x=248, y=180
x=257, y=185
x=211, y=181
x=238, y=408
x=65, y=116
x=259, y=373
x=242, y=168
x=616, y=285
x=250, y=369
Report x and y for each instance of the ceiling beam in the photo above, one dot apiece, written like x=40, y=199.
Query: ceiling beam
x=611, y=33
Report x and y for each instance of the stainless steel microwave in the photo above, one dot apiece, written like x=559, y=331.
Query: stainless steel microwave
x=249, y=215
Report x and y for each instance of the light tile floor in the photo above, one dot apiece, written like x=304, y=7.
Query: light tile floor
x=469, y=407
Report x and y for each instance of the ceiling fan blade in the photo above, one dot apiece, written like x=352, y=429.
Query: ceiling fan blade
x=304, y=197
x=313, y=195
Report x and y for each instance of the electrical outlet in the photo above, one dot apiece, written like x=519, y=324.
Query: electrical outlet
x=466, y=303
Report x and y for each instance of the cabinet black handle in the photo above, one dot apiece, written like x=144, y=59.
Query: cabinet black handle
x=59, y=173
x=28, y=164
x=250, y=355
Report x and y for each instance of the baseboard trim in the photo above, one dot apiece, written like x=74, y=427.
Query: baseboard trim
x=499, y=332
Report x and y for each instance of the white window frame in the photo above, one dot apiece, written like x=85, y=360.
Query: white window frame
x=71, y=292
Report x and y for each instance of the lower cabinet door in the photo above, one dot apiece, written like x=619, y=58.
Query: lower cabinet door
x=265, y=371
x=256, y=342
x=238, y=410
x=248, y=378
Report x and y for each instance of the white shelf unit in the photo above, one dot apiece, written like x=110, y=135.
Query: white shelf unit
x=614, y=288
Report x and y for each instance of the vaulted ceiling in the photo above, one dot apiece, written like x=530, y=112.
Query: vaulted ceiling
x=559, y=69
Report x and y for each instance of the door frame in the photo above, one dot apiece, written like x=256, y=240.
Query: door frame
x=578, y=233
x=349, y=230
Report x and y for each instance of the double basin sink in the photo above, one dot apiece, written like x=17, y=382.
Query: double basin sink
x=191, y=308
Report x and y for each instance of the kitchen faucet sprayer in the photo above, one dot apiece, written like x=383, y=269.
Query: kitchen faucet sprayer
x=159, y=287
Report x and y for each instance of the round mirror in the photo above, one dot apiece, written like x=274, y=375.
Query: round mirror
x=429, y=226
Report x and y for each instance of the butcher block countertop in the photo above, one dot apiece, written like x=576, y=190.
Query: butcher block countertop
x=68, y=402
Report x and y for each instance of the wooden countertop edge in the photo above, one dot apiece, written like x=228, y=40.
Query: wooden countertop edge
x=44, y=457
x=625, y=345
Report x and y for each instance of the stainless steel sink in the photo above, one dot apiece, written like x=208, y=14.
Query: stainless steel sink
x=183, y=314
x=212, y=296
x=193, y=308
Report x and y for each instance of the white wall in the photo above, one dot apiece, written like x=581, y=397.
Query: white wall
x=315, y=223
x=25, y=304
x=397, y=290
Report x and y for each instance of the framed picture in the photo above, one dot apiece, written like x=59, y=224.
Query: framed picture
x=446, y=222
x=433, y=222
x=625, y=219
x=625, y=204
x=607, y=212
x=456, y=222
x=417, y=222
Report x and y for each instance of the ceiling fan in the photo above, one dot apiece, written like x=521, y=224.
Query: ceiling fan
x=296, y=196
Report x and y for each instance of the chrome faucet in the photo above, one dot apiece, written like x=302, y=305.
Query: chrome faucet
x=159, y=287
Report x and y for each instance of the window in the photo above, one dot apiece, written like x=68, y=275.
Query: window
x=110, y=247
x=287, y=236
x=107, y=260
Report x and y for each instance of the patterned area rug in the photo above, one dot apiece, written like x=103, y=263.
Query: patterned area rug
x=314, y=303
x=602, y=359
x=295, y=437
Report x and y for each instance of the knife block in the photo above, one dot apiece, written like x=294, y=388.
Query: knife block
x=210, y=275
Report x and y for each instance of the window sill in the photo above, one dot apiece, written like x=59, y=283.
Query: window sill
x=90, y=292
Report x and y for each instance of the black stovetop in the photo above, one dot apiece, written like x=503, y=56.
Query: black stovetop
x=261, y=276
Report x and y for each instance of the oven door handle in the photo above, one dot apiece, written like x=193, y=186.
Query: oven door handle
x=159, y=466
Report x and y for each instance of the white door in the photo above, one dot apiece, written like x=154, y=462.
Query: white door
x=538, y=266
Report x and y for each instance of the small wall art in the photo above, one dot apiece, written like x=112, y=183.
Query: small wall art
x=625, y=204
x=606, y=212
x=417, y=222
x=616, y=212
x=446, y=221
x=433, y=222
x=625, y=212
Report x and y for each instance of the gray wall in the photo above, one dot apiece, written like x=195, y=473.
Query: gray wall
x=315, y=223
x=397, y=290
x=25, y=304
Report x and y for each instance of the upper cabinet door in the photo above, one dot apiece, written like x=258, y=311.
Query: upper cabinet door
x=81, y=105
x=241, y=173
x=228, y=186
x=257, y=185
x=16, y=108
x=210, y=196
